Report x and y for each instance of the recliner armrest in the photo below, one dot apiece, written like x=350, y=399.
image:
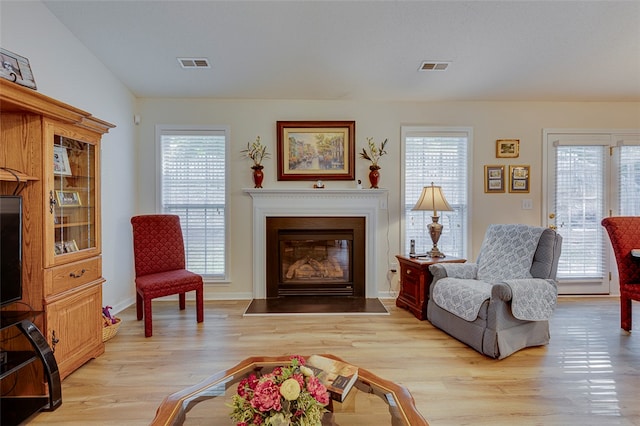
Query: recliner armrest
x=454, y=270
x=501, y=291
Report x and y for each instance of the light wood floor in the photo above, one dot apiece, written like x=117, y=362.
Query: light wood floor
x=588, y=375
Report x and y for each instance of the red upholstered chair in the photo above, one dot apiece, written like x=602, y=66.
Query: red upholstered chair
x=158, y=250
x=624, y=233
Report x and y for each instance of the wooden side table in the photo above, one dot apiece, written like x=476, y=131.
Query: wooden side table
x=415, y=279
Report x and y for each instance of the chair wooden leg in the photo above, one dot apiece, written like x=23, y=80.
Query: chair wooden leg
x=139, y=306
x=625, y=313
x=182, y=301
x=148, y=325
x=200, y=304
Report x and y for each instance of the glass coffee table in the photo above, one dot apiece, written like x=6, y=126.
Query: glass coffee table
x=371, y=401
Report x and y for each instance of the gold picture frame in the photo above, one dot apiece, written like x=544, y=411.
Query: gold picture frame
x=494, y=179
x=507, y=148
x=316, y=150
x=519, y=178
x=68, y=198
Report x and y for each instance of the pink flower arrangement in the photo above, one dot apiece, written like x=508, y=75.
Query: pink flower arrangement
x=287, y=396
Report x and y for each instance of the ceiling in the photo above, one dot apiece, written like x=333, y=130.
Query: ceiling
x=366, y=50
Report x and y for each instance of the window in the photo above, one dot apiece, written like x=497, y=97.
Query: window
x=628, y=178
x=588, y=176
x=192, y=185
x=441, y=156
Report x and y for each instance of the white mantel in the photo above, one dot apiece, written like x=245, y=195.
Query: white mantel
x=367, y=203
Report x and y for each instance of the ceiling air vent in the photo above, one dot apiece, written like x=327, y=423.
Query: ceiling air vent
x=194, y=63
x=434, y=66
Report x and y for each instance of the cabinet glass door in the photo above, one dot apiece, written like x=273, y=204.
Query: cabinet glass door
x=72, y=196
x=75, y=211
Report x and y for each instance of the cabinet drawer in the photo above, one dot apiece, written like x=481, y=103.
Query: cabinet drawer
x=71, y=275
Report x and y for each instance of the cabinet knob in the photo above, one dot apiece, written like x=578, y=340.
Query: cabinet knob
x=408, y=271
x=74, y=275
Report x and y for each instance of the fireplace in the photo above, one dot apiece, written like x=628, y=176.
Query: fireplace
x=362, y=203
x=314, y=256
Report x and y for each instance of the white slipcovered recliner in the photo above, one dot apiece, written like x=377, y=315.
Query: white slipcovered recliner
x=501, y=303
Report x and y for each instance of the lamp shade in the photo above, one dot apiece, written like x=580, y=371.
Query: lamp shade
x=433, y=199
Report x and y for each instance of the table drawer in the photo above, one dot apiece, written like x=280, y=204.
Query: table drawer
x=71, y=275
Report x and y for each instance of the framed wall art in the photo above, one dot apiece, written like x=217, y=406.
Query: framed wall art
x=68, y=198
x=16, y=68
x=519, y=178
x=316, y=150
x=61, y=161
x=493, y=179
x=70, y=246
x=507, y=148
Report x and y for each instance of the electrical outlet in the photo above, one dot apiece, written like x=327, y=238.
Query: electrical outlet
x=527, y=204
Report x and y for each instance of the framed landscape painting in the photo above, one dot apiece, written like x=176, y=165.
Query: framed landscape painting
x=316, y=150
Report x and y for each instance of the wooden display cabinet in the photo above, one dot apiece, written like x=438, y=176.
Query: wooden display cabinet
x=415, y=279
x=55, y=149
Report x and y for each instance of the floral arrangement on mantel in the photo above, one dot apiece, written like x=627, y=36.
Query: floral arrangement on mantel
x=374, y=153
x=288, y=396
x=257, y=152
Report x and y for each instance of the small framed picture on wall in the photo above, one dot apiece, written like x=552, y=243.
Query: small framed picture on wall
x=519, y=178
x=493, y=179
x=507, y=148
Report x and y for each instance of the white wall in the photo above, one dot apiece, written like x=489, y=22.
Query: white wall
x=65, y=70
x=489, y=120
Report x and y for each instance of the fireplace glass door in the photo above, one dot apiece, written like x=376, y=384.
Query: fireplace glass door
x=315, y=265
x=315, y=256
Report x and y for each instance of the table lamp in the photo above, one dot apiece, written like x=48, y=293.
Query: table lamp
x=432, y=199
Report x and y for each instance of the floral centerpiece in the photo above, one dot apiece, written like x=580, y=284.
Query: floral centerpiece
x=257, y=152
x=374, y=153
x=288, y=396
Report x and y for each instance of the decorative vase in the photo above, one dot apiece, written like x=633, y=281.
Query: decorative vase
x=374, y=176
x=258, y=176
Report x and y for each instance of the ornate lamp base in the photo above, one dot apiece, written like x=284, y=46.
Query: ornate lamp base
x=435, y=230
x=435, y=252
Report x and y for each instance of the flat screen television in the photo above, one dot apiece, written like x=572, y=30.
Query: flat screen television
x=10, y=249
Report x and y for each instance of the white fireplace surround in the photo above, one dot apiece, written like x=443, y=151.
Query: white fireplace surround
x=367, y=203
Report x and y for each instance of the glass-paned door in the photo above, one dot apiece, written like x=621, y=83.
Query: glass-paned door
x=589, y=176
x=71, y=195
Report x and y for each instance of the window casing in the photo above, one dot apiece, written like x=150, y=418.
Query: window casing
x=192, y=184
x=441, y=156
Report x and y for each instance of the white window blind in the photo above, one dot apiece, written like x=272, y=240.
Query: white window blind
x=629, y=180
x=580, y=206
x=442, y=157
x=193, y=186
